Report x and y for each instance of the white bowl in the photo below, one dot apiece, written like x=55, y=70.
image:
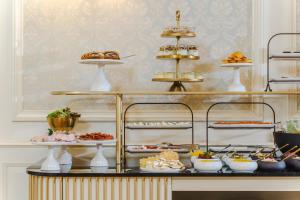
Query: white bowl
x=246, y=166
x=208, y=165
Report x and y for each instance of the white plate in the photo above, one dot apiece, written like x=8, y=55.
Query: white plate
x=236, y=65
x=286, y=56
x=133, y=149
x=96, y=142
x=286, y=80
x=161, y=170
x=55, y=143
x=101, y=62
x=242, y=125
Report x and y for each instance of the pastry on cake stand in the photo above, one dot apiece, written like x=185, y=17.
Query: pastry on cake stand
x=237, y=60
x=101, y=59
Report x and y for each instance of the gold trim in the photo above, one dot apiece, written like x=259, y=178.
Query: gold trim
x=175, y=35
x=158, y=188
x=166, y=189
x=112, y=188
x=178, y=57
x=143, y=188
x=30, y=187
x=104, y=188
x=90, y=189
x=61, y=195
x=178, y=79
x=54, y=188
x=127, y=188
x=41, y=187
x=151, y=188
x=119, y=107
x=97, y=188
x=47, y=188
x=67, y=189
x=36, y=191
x=81, y=189
x=120, y=189
x=135, y=188
x=75, y=189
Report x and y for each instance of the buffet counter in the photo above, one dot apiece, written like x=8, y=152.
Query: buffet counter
x=103, y=183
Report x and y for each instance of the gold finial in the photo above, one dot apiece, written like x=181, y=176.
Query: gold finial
x=178, y=17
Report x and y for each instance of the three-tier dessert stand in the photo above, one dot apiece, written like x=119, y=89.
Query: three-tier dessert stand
x=178, y=79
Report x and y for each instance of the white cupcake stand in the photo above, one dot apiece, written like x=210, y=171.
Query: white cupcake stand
x=100, y=82
x=236, y=85
x=53, y=164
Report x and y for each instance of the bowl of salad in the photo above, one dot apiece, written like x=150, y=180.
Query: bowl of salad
x=62, y=119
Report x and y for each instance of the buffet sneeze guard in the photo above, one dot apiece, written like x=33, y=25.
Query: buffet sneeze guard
x=189, y=109
x=236, y=103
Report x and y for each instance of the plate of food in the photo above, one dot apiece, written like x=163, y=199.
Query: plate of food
x=94, y=57
x=242, y=124
x=55, y=138
x=237, y=59
x=158, y=125
x=156, y=148
x=165, y=162
x=95, y=138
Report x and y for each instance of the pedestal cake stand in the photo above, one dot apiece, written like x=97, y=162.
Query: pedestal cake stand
x=99, y=160
x=100, y=82
x=236, y=85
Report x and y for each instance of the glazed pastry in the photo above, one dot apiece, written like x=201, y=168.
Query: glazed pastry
x=111, y=55
x=93, y=55
x=237, y=57
x=101, y=55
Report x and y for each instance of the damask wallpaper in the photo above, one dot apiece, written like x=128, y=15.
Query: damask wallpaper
x=57, y=32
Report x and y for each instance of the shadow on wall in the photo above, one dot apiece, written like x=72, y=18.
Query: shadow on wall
x=236, y=195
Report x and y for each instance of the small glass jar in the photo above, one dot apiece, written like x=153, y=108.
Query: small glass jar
x=193, y=50
x=162, y=51
x=170, y=50
x=182, y=50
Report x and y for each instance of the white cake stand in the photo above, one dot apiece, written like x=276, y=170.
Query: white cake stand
x=100, y=82
x=99, y=160
x=51, y=164
x=236, y=85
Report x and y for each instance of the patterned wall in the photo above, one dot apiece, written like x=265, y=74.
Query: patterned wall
x=57, y=32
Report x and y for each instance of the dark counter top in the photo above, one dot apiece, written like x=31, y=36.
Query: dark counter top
x=104, y=172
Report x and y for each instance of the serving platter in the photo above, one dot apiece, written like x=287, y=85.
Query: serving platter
x=54, y=143
x=238, y=65
x=96, y=142
x=159, y=125
x=101, y=62
x=134, y=149
x=241, y=126
x=285, y=56
x=169, y=170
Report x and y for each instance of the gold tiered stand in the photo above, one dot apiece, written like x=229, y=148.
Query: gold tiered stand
x=178, y=79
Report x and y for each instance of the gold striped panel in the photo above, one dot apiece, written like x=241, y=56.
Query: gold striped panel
x=99, y=188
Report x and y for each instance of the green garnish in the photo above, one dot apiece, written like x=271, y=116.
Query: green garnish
x=64, y=112
x=50, y=131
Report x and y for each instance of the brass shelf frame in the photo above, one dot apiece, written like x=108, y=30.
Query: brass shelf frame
x=119, y=105
x=177, y=83
x=178, y=57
